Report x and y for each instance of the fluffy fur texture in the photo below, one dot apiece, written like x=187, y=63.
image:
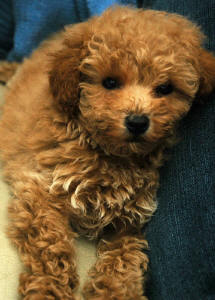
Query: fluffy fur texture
x=74, y=166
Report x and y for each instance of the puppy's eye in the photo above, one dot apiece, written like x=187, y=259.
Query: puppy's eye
x=164, y=89
x=111, y=83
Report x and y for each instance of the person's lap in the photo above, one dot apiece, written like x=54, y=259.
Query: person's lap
x=181, y=235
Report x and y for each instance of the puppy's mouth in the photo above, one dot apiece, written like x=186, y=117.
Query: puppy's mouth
x=135, y=139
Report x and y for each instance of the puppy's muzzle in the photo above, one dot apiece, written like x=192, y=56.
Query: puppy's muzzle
x=137, y=124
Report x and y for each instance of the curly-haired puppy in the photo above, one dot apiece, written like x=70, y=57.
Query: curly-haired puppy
x=86, y=120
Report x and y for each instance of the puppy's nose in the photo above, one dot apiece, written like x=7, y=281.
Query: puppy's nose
x=137, y=124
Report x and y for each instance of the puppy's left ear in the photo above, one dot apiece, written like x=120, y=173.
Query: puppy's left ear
x=64, y=74
x=207, y=74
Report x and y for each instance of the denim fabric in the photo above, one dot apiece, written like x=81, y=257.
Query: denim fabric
x=181, y=235
x=36, y=20
x=6, y=27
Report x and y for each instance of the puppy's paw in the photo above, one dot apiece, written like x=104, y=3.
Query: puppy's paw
x=44, y=287
x=119, y=271
x=110, y=288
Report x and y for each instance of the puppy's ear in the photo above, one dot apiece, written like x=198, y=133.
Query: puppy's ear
x=207, y=74
x=64, y=75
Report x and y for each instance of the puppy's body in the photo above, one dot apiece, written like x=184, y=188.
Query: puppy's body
x=77, y=161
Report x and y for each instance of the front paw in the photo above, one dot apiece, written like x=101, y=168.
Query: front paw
x=111, y=288
x=45, y=287
x=119, y=272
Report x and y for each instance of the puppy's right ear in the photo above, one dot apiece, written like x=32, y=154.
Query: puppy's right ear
x=64, y=75
x=207, y=76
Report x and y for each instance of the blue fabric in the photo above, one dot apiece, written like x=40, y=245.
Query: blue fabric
x=36, y=20
x=6, y=28
x=181, y=235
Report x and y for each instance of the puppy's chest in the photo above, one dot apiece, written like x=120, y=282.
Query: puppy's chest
x=97, y=194
x=110, y=186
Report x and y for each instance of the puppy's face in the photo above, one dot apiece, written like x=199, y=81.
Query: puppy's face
x=133, y=94
x=139, y=76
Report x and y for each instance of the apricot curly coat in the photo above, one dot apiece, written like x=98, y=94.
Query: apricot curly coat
x=74, y=167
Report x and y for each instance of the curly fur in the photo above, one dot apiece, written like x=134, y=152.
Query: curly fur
x=72, y=165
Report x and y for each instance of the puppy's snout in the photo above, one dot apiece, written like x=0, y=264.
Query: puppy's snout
x=137, y=124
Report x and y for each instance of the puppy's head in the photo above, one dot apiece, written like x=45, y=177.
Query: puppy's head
x=130, y=75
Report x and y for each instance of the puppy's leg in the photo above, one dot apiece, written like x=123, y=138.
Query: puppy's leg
x=41, y=232
x=7, y=70
x=118, y=272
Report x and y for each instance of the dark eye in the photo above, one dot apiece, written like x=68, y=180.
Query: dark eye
x=111, y=83
x=164, y=89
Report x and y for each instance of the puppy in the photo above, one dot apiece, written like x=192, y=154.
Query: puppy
x=84, y=128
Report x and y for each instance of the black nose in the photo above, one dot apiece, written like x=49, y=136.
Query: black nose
x=137, y=124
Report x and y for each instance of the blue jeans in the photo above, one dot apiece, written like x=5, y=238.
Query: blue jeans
x=181, y=235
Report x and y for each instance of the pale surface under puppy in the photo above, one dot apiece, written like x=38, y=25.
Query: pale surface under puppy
x=84, y=128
